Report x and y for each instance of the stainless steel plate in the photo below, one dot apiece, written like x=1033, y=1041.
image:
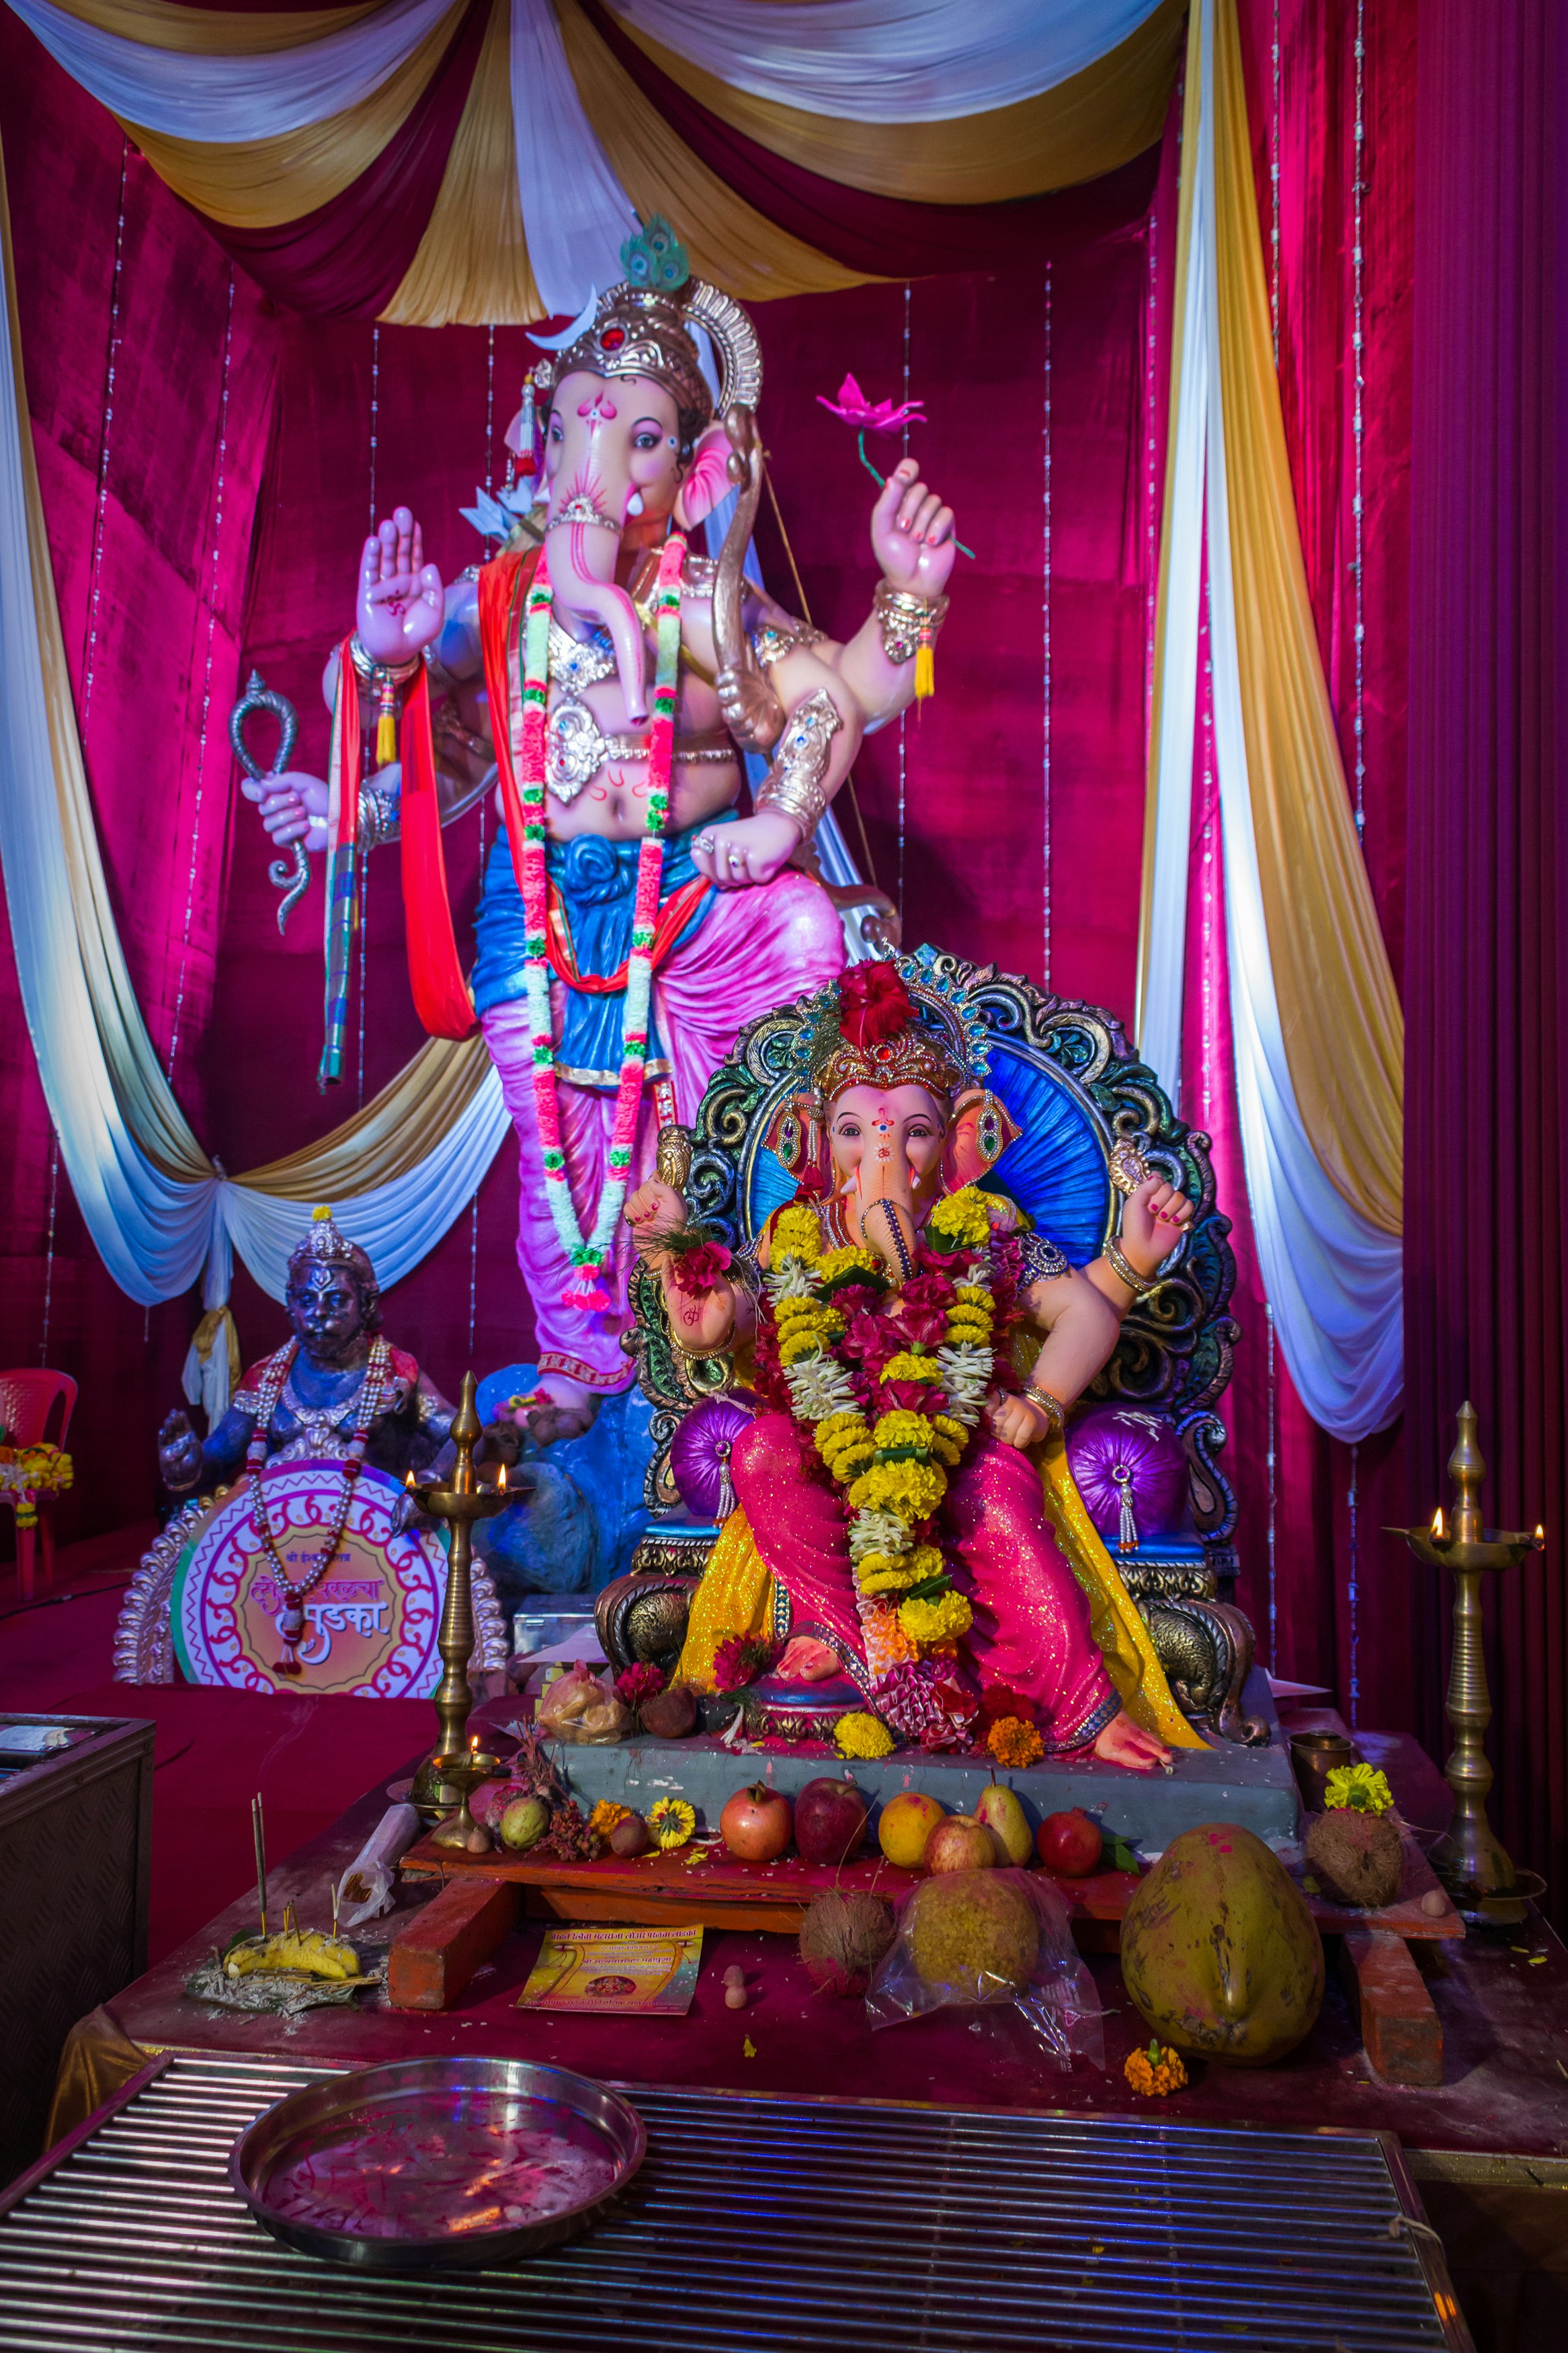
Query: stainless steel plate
x=438, y=2161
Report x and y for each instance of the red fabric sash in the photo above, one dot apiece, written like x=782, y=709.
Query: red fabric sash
x=441, y=996
x=673, y=918
x=503, y=583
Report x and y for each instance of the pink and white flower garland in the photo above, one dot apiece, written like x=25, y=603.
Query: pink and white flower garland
x=590, y=1254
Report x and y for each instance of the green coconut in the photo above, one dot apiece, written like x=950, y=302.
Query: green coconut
x=973, y=1934
x=1219, y=1951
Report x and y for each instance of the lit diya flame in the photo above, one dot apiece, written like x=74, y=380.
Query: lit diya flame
x=500, y=1480
x=1439, y=1531
x=1539, y=1532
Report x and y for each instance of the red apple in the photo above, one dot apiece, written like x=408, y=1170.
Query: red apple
x=829, y=1819
x=1069, y=1843
x=755, y=1824
x=961, y=1842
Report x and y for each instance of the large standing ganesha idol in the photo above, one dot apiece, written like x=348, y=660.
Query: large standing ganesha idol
x=905, y=1522
x=631, y=921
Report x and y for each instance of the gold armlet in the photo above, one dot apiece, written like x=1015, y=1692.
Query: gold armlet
x=1125, y=1271
x=907, y=621
x=793, y=784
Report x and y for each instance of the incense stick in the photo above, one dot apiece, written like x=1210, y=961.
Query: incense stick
x=259, y=1837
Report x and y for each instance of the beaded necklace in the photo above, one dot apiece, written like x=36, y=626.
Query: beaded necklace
x=370, y=1405
x=589, y=1254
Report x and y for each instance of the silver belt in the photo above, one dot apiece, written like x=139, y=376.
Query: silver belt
x=579, y=748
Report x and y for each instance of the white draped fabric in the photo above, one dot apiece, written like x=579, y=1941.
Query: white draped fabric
x=575, y=213
x=188, y=95
x=1333, y=1279
x=891, y=61
x=158, y=1210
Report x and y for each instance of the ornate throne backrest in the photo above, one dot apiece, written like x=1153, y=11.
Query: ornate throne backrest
x=1075, y=1089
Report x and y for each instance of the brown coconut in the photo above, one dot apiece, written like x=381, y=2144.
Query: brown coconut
x=669, y=1715
x=843, y=1937
x=1359, y=1858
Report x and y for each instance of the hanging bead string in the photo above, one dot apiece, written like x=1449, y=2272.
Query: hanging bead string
x=1273, y=1462
x=49, y=1245
x=1045, y=653
x=1352, y=1583
x=1151, y=486
x=1274, y=196
x=1358, y=380
x=206, y=678
x=903, y=715
x=484, y=805
x=90, y=660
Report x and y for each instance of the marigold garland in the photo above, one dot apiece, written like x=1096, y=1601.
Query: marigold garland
x=1154, y=2072
x=34, y=1473
x=589, y=1255
x=833, y=1358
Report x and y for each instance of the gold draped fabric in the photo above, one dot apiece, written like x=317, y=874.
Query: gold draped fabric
x=1090, y=123
x=214, y=32
x=1343, y=1029
x=261, y=183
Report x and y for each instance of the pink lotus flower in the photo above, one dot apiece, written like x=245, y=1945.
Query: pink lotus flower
x=871, y=416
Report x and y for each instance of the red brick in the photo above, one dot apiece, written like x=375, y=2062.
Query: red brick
x=1399, y=2027
x=444, y=1942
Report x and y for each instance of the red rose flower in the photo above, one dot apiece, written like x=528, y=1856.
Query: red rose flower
x=695, y=1273
x=873, y=1005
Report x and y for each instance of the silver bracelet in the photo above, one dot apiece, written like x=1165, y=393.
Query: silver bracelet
x=793, y=784
x=902, y=616
x=380, y=814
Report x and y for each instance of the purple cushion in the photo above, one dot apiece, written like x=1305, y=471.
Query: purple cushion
x=1123, y=1451
x=699, y=1456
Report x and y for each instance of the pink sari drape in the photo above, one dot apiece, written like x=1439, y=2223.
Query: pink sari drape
x=1031, y=1627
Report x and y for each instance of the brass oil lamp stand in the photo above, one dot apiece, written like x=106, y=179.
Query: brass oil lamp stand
x=455, y=1769
x=1470, y=1857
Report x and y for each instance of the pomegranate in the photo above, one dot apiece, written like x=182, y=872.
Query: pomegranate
x=829, y=1819
x=490, y=1801
x=1069, y=1843
x=756, y=1823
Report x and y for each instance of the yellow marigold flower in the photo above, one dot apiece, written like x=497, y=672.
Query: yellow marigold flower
x=838, y=1425
x=964, y=1217
x=948, y=1450
x=926, y=1560
x=947, y=1425
x=852, y=1259
x=796, y=1311
x=848, y=1465
x=912, y=1490
x=880, y=1573
x=907, y=1366
x=902, y=1427
x=606, y=1815
x=968, y=1323
x=934, y=1621
x=797, y=1233
x=1360, y=1786
x=861, y=1735
x=974, y=1294
x=1012, y=1742
x=1154, y=2072
x=672, y=1821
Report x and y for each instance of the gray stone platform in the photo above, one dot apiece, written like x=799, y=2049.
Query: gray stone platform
x=1254, y=1787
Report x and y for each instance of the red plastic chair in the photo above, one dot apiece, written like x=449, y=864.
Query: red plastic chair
x=27, y=1403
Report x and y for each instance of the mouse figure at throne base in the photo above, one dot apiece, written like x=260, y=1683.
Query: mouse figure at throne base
x=905, y=1524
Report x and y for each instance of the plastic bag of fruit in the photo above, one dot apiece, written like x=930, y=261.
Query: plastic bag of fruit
x=971, y=1938
x=580, y=1706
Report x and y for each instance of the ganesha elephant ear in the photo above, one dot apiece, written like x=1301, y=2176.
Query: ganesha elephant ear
x=706, y=479
x=981, y=1131
x=796, y=1140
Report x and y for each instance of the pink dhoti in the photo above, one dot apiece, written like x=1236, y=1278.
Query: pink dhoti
x=1031, y=1627
x=756, y=949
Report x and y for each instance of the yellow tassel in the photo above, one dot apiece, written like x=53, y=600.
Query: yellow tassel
x=385, y=738
x=925, y=672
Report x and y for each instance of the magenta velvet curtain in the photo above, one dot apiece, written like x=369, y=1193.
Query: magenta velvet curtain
x=1488, y=849
x=160, y=650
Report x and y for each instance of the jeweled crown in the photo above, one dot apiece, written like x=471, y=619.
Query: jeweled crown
x=326, y=1244
x=879, y=1040
x=642, y=327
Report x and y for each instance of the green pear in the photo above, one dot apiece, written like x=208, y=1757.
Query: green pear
x=1003, y=1815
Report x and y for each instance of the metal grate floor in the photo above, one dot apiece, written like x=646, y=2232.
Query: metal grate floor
x=759, y=2223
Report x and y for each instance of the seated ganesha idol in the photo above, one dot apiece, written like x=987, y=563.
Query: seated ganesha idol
x=632, y=921
x=892, y=1523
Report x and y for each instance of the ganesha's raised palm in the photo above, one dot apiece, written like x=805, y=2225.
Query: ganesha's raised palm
x=911, y=533
x=400, y=601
